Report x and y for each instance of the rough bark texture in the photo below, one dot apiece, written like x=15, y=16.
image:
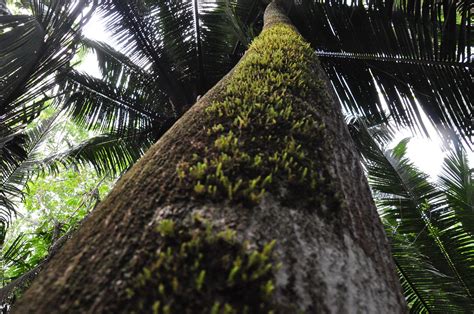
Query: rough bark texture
x=265, y=155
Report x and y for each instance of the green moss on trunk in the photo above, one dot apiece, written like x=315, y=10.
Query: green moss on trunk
x=260, y=135
x=198, y=269
x=263, y=135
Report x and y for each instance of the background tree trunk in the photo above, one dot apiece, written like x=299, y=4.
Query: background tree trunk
x=265, y=154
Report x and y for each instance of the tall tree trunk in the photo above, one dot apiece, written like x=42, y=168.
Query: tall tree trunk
x=253, y=201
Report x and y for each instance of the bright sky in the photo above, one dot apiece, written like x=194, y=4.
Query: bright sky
x=426, y=153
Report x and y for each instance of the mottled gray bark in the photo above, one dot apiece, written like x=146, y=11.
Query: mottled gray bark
x=334, y=255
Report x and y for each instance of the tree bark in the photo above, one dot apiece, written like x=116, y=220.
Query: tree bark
x=264, y=155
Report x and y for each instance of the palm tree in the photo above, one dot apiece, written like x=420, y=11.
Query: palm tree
x=251, y=191
x=429, y=225
x=407, y=39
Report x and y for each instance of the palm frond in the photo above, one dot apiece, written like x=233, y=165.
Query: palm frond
x=116, y=68
x=194, y=42
x=187, y=45
x=432, y=250
x=21, y=38
x=109, y=154
x=34, y=48
x=458, y=185
x=97, y=104
x=456, y=245
x=11, y=154
x=134, y=23
x=403, y=56
x=16, y=172
x=423, y=285
x=16, y=252
x=228, y=27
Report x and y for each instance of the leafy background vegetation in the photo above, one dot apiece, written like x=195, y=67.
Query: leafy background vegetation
x=52, y=202
x=65, y=135
x=428, y=222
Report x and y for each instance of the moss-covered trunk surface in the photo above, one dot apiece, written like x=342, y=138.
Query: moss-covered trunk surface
x=254, y=201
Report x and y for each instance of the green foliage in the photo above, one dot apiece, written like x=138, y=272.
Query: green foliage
x=49, y=204
x=374, y=68
x=34, y=48
x=429, y=225
x=457, y=182
x=18, y=7
x=201, y=270
x=262, y=132
x=53, y=206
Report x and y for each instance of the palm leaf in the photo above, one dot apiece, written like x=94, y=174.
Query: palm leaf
x=194, y=42
x=406, y=53
x=32, y=49
x=228, y=27
x=133, y=23
x=422, y=284
x=458, y=185
x=188, y=45
x=109, y=154
x=21, y=38
x=116, y=68
x=16, y=252
x=432, y=251
x=16, y=172
x=97, y=104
